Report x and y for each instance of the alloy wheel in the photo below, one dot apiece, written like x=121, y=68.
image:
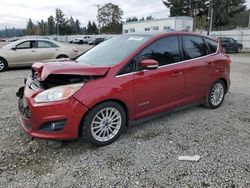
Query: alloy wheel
x=217, y=94
x=2, y=65
x=106, y=124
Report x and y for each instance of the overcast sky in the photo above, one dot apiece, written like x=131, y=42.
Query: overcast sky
x=15, y=13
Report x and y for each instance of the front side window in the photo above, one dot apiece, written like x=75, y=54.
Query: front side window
x=24, y=45
x=193, y=47
x=165, y=51
x=128, y=68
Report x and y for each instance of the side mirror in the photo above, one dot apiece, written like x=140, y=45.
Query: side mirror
x=14, y=48
x=149, y=64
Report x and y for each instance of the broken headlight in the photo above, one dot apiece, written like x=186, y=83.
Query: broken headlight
x=58, y=93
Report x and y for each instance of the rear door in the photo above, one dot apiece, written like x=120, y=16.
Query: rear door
x=46, y=50
x=24, y=54
x=163, y=88
x=198, y=67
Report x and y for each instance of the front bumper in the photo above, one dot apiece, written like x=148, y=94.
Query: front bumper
x=34, y=116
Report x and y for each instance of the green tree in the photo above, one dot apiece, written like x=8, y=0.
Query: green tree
x=142, y=19
x=77, y=27
x=94, y=28
x=30, y=28
x=51, y=25
x=110, y=18
x=71, y=26
x=224, y=10
x=61, y=22
x=41, y=28
x=89, y=28
x=149, y=17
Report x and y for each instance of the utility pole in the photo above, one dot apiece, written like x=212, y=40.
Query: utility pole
x=98, y=11
x=210, y=17
x=249, y=20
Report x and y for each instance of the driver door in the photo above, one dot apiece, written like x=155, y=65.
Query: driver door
x=163, y=88
x=24, y=54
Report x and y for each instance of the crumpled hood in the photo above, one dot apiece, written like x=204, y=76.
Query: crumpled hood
x=67, y=67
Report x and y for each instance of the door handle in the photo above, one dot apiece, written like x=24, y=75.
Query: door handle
x=175, y=74
x=33, y=50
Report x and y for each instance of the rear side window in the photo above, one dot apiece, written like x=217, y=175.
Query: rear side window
x=193, y=47
x=44, y=44
x=165, y=51
x=212, y=45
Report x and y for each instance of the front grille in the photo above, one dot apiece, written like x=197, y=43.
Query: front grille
x=23, y=107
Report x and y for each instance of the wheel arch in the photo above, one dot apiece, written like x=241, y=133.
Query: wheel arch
x=1, y=57
x=61, y=55
x=120, y=102
x=225, y=82
x=5, y=62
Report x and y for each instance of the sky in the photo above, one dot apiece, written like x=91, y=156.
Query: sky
x=15, y=13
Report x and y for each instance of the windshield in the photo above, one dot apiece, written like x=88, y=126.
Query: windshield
x=113, y=50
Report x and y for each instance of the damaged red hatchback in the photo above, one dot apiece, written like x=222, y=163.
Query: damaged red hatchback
x=124, y=79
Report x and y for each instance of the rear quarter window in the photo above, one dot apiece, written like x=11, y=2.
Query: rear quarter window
x=212, y=45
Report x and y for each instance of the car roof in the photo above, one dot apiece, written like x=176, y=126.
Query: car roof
x=166, y=32
x=26, y=39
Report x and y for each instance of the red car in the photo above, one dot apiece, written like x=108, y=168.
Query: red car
x=122, y=80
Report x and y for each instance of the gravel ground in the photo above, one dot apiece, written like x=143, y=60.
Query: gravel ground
x=146, y=155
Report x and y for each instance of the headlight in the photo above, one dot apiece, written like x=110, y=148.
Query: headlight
x=58, y=93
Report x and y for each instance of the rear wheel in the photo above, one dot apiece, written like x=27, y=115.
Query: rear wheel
x=3, y=65
x=216, y=95
x=104, y=123
x=237, y=50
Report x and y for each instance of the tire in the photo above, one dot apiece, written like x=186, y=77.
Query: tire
x=237, y=50
x=216, y=95
x=3, y=65
x=62, y=56
x=98, y=127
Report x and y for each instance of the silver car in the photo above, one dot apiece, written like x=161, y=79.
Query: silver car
x=25, y=52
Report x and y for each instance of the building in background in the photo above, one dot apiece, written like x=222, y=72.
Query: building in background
x=179, y=23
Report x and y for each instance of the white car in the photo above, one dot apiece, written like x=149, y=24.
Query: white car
x=25, y=52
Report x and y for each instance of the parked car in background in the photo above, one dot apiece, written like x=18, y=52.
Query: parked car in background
x=96, y=41
x=86, y=39
x=2, y=40
x=82, y=40
x=76, y=41
x=122, y=80
x=230, y=45
x=25, y=52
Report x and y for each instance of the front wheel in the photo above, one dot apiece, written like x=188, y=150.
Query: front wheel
x=104, y=123
x=216, y=95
